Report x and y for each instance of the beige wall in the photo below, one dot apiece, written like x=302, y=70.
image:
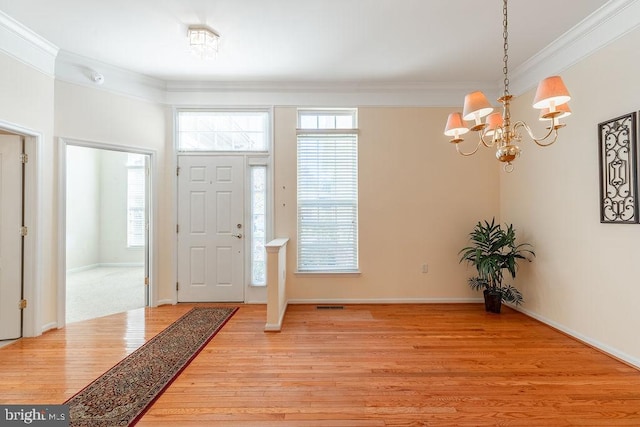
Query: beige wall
x=417, y=202
x=113, y=211
x=98, y=116
x=585, y=277
x=97, y=209
x=27, y=101
x=83, y=207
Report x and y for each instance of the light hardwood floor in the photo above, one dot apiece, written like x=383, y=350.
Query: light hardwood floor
x=366, y=365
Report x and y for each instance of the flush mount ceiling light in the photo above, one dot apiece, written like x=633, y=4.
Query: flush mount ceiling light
x=497, y=130
x=203, y=41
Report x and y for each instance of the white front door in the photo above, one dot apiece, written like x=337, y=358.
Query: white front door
x=10, y=237
x=210, y=228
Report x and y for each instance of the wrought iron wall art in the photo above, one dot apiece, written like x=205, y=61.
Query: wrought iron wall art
x=618, y=170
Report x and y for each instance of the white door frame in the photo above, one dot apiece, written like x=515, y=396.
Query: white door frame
x=62, y=217
x=33, y=215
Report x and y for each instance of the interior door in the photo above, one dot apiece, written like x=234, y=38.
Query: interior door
x=210, y=228
x=10, y=237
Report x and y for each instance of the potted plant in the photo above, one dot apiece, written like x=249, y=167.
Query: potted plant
x=493, y=250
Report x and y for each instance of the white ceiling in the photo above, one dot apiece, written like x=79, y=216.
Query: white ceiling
x=305, y=41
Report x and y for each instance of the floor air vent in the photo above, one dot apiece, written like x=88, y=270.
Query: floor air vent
x=330, y=307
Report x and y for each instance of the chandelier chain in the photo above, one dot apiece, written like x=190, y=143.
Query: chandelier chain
x=505, y=59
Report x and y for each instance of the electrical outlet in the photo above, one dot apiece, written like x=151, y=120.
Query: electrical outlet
x=425, y=268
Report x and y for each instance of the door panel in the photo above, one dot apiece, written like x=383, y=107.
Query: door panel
x=210, y=244
x=10, y=238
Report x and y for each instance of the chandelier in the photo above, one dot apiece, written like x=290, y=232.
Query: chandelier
x=203, y=41
x=497, y=130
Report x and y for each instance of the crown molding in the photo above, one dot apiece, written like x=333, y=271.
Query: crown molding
x=78, y=69
x=21, y=43
x=613, y=20
x=335, y=94
x=607, y=24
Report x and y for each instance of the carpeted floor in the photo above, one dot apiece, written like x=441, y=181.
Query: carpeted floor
x=122, y=395
x=102, y=291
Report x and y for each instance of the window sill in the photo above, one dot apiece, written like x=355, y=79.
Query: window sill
x=328, y=273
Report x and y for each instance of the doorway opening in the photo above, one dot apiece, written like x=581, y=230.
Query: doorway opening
x=107, y=232
x=224, y=203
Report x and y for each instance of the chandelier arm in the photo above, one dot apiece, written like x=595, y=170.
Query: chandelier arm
x=539, y=141
x=484, y=142
x=471, y=153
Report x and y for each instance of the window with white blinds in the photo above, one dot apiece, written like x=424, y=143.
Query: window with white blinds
x=327, y=196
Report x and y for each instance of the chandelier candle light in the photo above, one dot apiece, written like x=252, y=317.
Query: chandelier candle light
x=497, y=130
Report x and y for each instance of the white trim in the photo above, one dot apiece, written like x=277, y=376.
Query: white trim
x=611, y=351
x=121, y=264
x=277, y=327
x=26, y=46
x=74, y=68
x=275, y=244
x=303, y=132
x=78, y=69
x=48, y=327
x=62, y=215
x=62, y=231
x=335, y=95
x=385, y=301
x=83, y=268
x=612, y=21
x=165, y=302
x=34, y=215
x=173, y=153
x=98, y=265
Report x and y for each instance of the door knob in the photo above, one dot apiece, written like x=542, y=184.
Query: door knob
x=239, y=236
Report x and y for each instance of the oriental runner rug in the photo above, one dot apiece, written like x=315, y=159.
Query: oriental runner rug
x=122, y=395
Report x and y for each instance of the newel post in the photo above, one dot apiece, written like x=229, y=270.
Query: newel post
x=276, y=283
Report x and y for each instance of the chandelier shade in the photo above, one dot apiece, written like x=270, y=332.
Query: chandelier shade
x=476, y=106
x=455, y=127
x=551, y=92
x=494, y=122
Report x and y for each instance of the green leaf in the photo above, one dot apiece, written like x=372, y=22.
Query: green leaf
x=492, y=250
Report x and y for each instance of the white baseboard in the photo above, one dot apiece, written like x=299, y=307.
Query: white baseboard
x=386, y=301
x=587, y=340
x=121, y=264
x=277, y=327
x=166, y=302
x=108, y=264
x=83, y=268
x=272, y=327
x=49, y=326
